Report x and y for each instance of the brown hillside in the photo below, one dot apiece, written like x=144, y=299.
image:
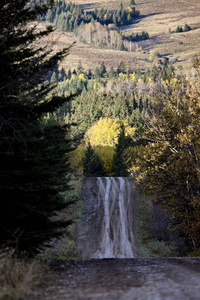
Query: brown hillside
x=155, y=17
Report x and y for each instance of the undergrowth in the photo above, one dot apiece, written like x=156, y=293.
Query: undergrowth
x=18, y=276
x=151, y=244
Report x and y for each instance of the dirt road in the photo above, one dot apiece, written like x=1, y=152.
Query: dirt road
x=125, y=279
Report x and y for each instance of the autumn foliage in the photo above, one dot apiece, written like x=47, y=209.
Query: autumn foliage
x=168, y=166
x=106, y=131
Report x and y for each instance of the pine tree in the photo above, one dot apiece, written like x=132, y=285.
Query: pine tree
x=54, y=78
x=80, y=68
x=121, y=67
x=121, y=46
x=34, y=152
x=186, y=27
x=111, y=72
x=102, y=70
x=119, y=158
x=93, y=165
x=97, y=74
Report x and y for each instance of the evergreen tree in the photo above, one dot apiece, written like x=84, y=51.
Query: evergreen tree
x=97, y=74
x=33, y=152
x=80, y=68
x=132, y=2
x=111, y=72
x=69, y=73
x=54, y=78
x=89, y=75
x=121, y=46
x=93, y=165
x=186, y=27
x=102, y=70
x=121, y=67
x=119, y=158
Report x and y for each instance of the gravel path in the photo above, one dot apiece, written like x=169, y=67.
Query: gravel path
x=125, y=279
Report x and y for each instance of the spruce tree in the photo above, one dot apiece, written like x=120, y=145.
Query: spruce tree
x=93, y=165
x=33, y=150
x=186, y=27
x=80, y=68
x=111, y=72
x=121, y=67
x=119, y=163
x=121, y=46
x=102, y=70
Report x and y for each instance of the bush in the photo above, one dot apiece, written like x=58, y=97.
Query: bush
x=18, y=277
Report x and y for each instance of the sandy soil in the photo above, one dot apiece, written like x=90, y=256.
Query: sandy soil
x=125, y=279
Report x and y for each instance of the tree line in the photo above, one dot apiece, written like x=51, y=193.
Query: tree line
x=69, y=16
x=108, y=37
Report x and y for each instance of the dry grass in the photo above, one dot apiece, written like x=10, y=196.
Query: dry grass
x=156, y=18
x=18, y=277
x=110, y=4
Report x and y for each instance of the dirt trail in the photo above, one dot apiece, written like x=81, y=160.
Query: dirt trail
x=125, y=279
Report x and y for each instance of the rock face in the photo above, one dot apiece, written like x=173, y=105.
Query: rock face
x=108, y=222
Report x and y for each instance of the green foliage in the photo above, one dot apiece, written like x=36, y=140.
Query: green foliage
x=116, y=96
x=150, y=243
x=106, y=154
x=181, y=29
x=121, y=67
x=93, y=165
x=80, y=69
x=66, y=247
x=111, y=72
x=34, y=151
x=137, y=37
x=69, y=16
x=186, y=28
x=119, y=157
x=121, y=46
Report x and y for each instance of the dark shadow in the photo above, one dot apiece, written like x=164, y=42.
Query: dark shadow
x=182, y=60
x=166, y=54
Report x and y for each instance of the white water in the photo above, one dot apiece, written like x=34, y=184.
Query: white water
x=109, y=218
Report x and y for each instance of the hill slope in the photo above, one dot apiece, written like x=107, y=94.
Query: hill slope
x=156, y=17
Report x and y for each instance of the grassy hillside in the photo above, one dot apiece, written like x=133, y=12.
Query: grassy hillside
x=156, y=17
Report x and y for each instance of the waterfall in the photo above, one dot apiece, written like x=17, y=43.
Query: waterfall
x=108, y=221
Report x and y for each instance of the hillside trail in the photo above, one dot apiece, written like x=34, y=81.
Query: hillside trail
x=124, y=279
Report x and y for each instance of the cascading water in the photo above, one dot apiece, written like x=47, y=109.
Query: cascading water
x=108, y=222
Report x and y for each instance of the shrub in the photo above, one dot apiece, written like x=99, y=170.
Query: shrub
x=18, y=277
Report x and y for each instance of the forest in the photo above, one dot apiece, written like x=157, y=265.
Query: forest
x=60, y=125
